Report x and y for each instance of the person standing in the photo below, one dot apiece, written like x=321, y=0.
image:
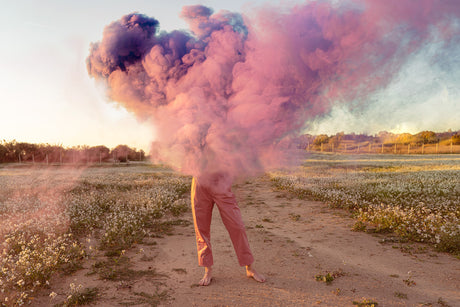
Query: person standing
x=206, y=191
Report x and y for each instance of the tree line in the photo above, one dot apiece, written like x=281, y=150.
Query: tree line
x=14, y=151
x=383, y=137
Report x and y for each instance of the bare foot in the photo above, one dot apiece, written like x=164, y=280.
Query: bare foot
x=250, y=272
x=206, y=280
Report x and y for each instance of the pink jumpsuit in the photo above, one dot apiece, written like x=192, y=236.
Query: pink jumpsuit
x=206, y=191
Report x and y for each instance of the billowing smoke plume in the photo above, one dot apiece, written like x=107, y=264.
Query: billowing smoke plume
x=230, y=94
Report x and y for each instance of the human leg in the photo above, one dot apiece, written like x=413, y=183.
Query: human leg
x=202, y=205
x=233, y=221
x=203, y=199
x=231, y=217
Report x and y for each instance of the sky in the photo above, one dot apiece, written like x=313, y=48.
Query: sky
x=47, y=96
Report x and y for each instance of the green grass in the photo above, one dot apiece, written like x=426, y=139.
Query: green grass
x=81, y=297
x=364, y=302
x=415, y=197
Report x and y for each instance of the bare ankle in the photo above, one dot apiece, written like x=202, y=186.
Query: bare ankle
x=251, y=272
x=249, y=268
x=206, y=280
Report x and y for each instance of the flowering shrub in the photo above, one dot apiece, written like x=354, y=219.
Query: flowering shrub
x=46, y=212
x=416, y=197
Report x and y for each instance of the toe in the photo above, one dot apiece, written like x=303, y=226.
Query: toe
x=205, y=281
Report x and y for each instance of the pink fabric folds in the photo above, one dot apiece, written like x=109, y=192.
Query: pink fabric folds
x=207, y=191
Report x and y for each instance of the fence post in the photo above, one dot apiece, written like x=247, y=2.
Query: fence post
x=382, y=147
x=423, y=147
x=408, y=148
x=395, y=148
x=437, y=145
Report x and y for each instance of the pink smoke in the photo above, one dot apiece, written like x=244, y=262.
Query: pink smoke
x=230, y=96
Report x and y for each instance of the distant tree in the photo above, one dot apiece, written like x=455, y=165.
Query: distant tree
x=357, y=137
x=97, y=153
x=305, y=140
x=386, y=137
x=31, y=151
x=321, y=139
x=123, y=153
x=363, y=138
x=3, y=153
x=10, y=151
x=404, y=138
x=426, y=137
x=446, y=136
x=456, y=139
x=25, y=150
x=141, y=155
x=85, y=154
x=336, y=139
x=349, y=137
x=46, y=151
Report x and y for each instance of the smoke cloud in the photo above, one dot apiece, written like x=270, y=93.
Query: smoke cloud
x=229, y=94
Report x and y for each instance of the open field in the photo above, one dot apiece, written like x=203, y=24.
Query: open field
x=48, y=214
x=122, y=235
x=416, y=197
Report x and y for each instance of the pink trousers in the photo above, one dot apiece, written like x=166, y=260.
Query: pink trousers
x=206, y=193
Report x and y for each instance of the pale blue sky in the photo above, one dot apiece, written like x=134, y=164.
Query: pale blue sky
x=47, y=96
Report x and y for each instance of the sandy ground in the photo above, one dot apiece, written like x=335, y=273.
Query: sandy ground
x=292, y=240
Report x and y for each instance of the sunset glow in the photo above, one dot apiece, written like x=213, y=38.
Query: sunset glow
x=48, y=97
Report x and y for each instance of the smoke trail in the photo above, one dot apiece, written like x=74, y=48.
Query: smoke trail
x=230, y=94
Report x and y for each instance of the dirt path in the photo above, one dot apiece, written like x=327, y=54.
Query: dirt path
x=299, y=240
x=293, y=241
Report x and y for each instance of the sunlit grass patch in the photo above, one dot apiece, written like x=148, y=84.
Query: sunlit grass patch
x=365, y=302
x=78, y=296
x=118, y=269
x=417, y=198
x=46, y=214
x=142, y=298
x=294, y=217
x=409, y=282
x=400, y=295
x=329, y=277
